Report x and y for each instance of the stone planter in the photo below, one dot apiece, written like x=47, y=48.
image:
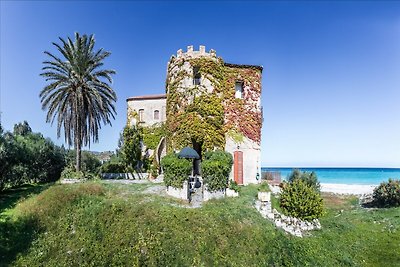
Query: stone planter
x=181, y=193
x=231, y=193
x=264, y=196
x=207, y=195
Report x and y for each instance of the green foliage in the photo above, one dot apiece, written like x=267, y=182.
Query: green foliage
x=90, y=163
x=264, y=187
x=131, y=150
x=154, y=170
x=216, y=168
x=79, y=94
x=56, y=228
x=113, y=167
x=300, y=200
x=234, y=186
x=201, y=122
x=22, y=129
x=387, y=194
x=237, y=137
x=176, y=170
x=152, y=135
x=28, y=158
x=70, y=173
x=310, y=178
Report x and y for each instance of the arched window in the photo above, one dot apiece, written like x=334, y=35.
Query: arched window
x=141, y=115
x=156, y=114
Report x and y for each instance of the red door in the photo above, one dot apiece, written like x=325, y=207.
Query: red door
x=238, y=167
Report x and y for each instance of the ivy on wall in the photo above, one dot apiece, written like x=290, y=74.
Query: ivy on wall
x=197, y=115
x=152, y=135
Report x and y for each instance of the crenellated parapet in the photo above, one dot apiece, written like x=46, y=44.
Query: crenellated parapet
x=191, y=53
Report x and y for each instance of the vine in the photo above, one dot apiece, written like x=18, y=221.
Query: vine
x=152, y=135
x=194, y=113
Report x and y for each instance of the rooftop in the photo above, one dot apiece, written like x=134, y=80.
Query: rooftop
x=244, y=66
x=146, y=97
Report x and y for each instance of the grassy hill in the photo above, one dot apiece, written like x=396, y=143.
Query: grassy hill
x=99, y=224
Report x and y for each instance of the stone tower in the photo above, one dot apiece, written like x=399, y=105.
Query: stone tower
x=215, y=105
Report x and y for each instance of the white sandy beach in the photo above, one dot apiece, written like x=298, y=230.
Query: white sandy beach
x=354, y=189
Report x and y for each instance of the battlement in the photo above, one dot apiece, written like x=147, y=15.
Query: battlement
x=190, y=53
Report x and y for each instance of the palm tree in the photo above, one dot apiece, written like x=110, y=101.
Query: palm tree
x=79, y=94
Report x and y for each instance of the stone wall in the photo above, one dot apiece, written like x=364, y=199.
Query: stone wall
x=125, y=175
x=149, y=105
x=181, y=193
x=291, y=225
x=207, y=195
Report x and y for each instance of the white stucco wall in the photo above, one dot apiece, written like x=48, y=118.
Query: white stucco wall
x=251, y=159
x=148, y=106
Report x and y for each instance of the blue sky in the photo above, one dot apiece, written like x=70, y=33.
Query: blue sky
x=331, y=80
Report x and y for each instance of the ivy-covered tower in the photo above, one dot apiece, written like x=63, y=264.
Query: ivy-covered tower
x=215, y=105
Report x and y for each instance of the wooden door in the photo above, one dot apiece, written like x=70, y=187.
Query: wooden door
x=238, y=167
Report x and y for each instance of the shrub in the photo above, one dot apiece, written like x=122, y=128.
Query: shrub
x=216, y=167
x=310, y=178
x=220, y=155
x=264, y=187
x=234, y=186
x=113, y=167
x=300, y=200
x=176, y=170
x=387, y=194
x=27, y=157
x=70, y=173
x=154, y=170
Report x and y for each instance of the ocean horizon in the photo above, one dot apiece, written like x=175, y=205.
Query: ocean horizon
x=344, y=175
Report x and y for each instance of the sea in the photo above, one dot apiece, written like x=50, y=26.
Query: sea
x=362, y=176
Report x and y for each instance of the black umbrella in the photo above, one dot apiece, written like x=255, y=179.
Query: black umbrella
x=188, y=153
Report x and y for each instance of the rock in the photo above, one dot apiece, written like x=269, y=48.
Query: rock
x=264, y=196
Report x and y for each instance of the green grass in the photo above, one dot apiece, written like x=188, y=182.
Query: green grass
x=98, y=224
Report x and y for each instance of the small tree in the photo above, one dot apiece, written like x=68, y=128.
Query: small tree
x=300, y=200
x=310, y=178
x=387, y=194
x=131, y=148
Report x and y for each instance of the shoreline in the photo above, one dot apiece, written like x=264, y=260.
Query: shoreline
x=348, y=189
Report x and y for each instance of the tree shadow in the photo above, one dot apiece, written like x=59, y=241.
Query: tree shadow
x=10, y=197
x=16, y=235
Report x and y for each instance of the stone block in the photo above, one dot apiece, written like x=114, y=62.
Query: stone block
x=264, y=196
x=231, y=193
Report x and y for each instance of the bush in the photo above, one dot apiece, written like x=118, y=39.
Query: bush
x=310, y=178
x=387, y=194
x=113, y=167
x=234, y=186
x=176, y=170
x=220, y=156
x=216, y=168
x=70, y=173
x=27, y=157
x=300, y=200
x=264, y=187
x=90, y=163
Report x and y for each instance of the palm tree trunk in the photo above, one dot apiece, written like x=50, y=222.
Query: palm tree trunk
x=78, y=153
